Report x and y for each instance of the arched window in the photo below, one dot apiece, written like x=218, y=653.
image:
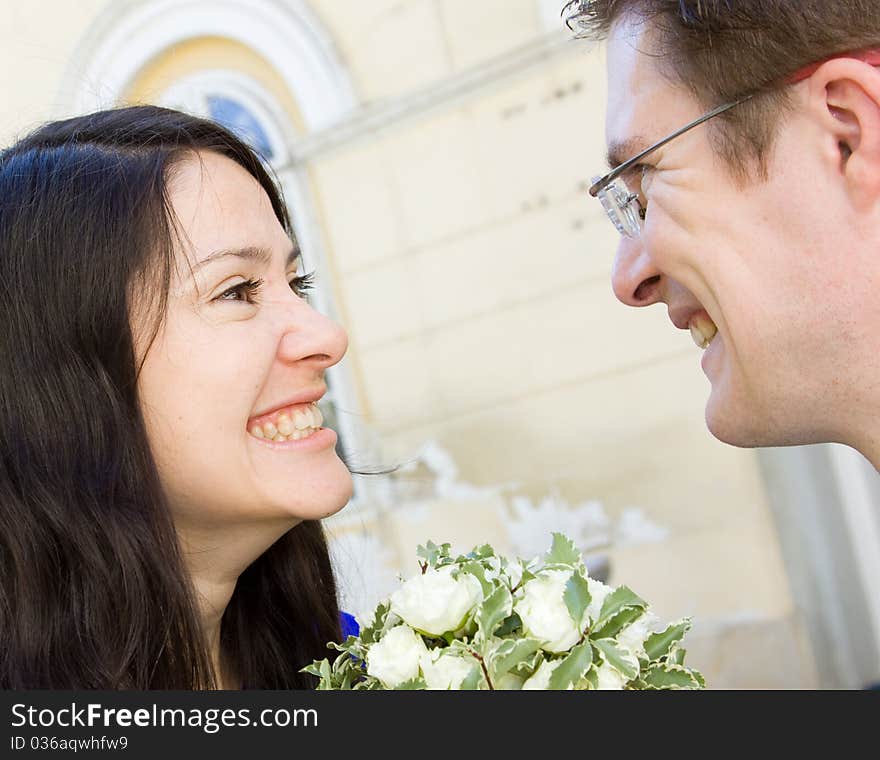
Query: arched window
x=236, y=117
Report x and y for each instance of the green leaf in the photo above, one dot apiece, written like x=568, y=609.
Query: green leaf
x=479, y=572
x=617, y=623
x=325, y=670
x=324, y=673
x=577, y=597
x=432, y=553
x=622, y=598
x=511, y=623
x=483, y=551
x=671, y=677
x=572, y=667
x=313, y=669
x=676, y=656
x=413, y=684
x=370, y=684
x=511, y=653
x=471, y=682
x=658, y=644
x=493, y=610
x=529, y=665
x=527, y=574
x=622, y=661
x=592, y=677
x=368, y=633
x=563, y=552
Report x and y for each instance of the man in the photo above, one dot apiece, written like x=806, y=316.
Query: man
x=758, y=225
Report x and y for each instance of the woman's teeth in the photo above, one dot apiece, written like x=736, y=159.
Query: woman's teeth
x=703, y=330
x=291, y=424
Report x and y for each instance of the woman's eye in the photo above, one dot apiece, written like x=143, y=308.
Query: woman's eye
x=302, y=284
x=248, y=288
x=248, y=291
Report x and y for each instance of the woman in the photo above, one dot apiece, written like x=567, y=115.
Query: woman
x=163, y=465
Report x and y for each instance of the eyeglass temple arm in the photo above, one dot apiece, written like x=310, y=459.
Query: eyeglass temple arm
x=615, y=173
x=870, y=56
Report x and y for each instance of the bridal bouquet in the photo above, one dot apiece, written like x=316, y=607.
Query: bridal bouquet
x=481, y=621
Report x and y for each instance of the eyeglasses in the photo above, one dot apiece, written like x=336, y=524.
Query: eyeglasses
x=622, y=204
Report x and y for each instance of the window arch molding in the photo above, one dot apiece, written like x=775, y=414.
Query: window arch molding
x=128, y=35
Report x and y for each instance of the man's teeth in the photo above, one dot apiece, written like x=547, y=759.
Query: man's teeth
x=703, y=330
x=291, y=425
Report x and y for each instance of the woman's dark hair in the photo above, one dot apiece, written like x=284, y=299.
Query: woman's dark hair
x=721, y=50
x=94, y=593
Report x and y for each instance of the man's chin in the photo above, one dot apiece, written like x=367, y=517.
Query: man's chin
x=732, y=426
x=739, y=425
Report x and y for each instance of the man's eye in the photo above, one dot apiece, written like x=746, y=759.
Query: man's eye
x=635, y=175
x=636, y=181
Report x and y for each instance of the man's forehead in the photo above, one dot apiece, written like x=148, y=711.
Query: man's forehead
x=643, y=105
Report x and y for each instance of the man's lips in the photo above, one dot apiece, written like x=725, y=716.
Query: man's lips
x=698, y=321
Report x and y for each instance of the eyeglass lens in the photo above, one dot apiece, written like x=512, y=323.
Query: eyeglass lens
x=621, y=205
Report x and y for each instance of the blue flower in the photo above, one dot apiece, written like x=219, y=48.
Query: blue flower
x=349, y=625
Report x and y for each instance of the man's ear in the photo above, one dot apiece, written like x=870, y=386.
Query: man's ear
x=845, y=96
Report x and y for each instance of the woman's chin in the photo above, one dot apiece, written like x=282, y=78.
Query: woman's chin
x=324, y=493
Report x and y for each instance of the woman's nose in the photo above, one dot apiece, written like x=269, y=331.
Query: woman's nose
x=635, y=279
x=312, y=336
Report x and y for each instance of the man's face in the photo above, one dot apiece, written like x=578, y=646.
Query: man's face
x=758, y=261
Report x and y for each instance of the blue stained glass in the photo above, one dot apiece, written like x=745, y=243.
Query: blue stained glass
x=235, y=117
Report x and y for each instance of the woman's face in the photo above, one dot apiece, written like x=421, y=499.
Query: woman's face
x=230, y=359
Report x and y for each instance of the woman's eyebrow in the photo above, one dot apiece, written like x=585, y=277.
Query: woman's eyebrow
x=255, y=254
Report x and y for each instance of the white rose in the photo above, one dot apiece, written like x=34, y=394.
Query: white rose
x=610, y=678
x=435, y=602
x=445, y=671
x=544, y=613
x=598, y=592
x=395, y=658
x=632, y=638
x=540, y=679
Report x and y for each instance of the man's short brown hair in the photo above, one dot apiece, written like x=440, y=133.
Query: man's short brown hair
x=724, y=49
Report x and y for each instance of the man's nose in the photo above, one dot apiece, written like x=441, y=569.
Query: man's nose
x=635, y=279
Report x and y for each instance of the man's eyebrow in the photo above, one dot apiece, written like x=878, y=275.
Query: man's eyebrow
x=619, y=152
x=256, y=254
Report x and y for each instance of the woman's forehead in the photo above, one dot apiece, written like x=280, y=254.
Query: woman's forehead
x=218, y=205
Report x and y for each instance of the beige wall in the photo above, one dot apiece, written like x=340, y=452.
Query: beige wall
x=473, y=275
x=38, y=38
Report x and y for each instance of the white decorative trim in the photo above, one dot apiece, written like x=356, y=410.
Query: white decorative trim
x=133, y=32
